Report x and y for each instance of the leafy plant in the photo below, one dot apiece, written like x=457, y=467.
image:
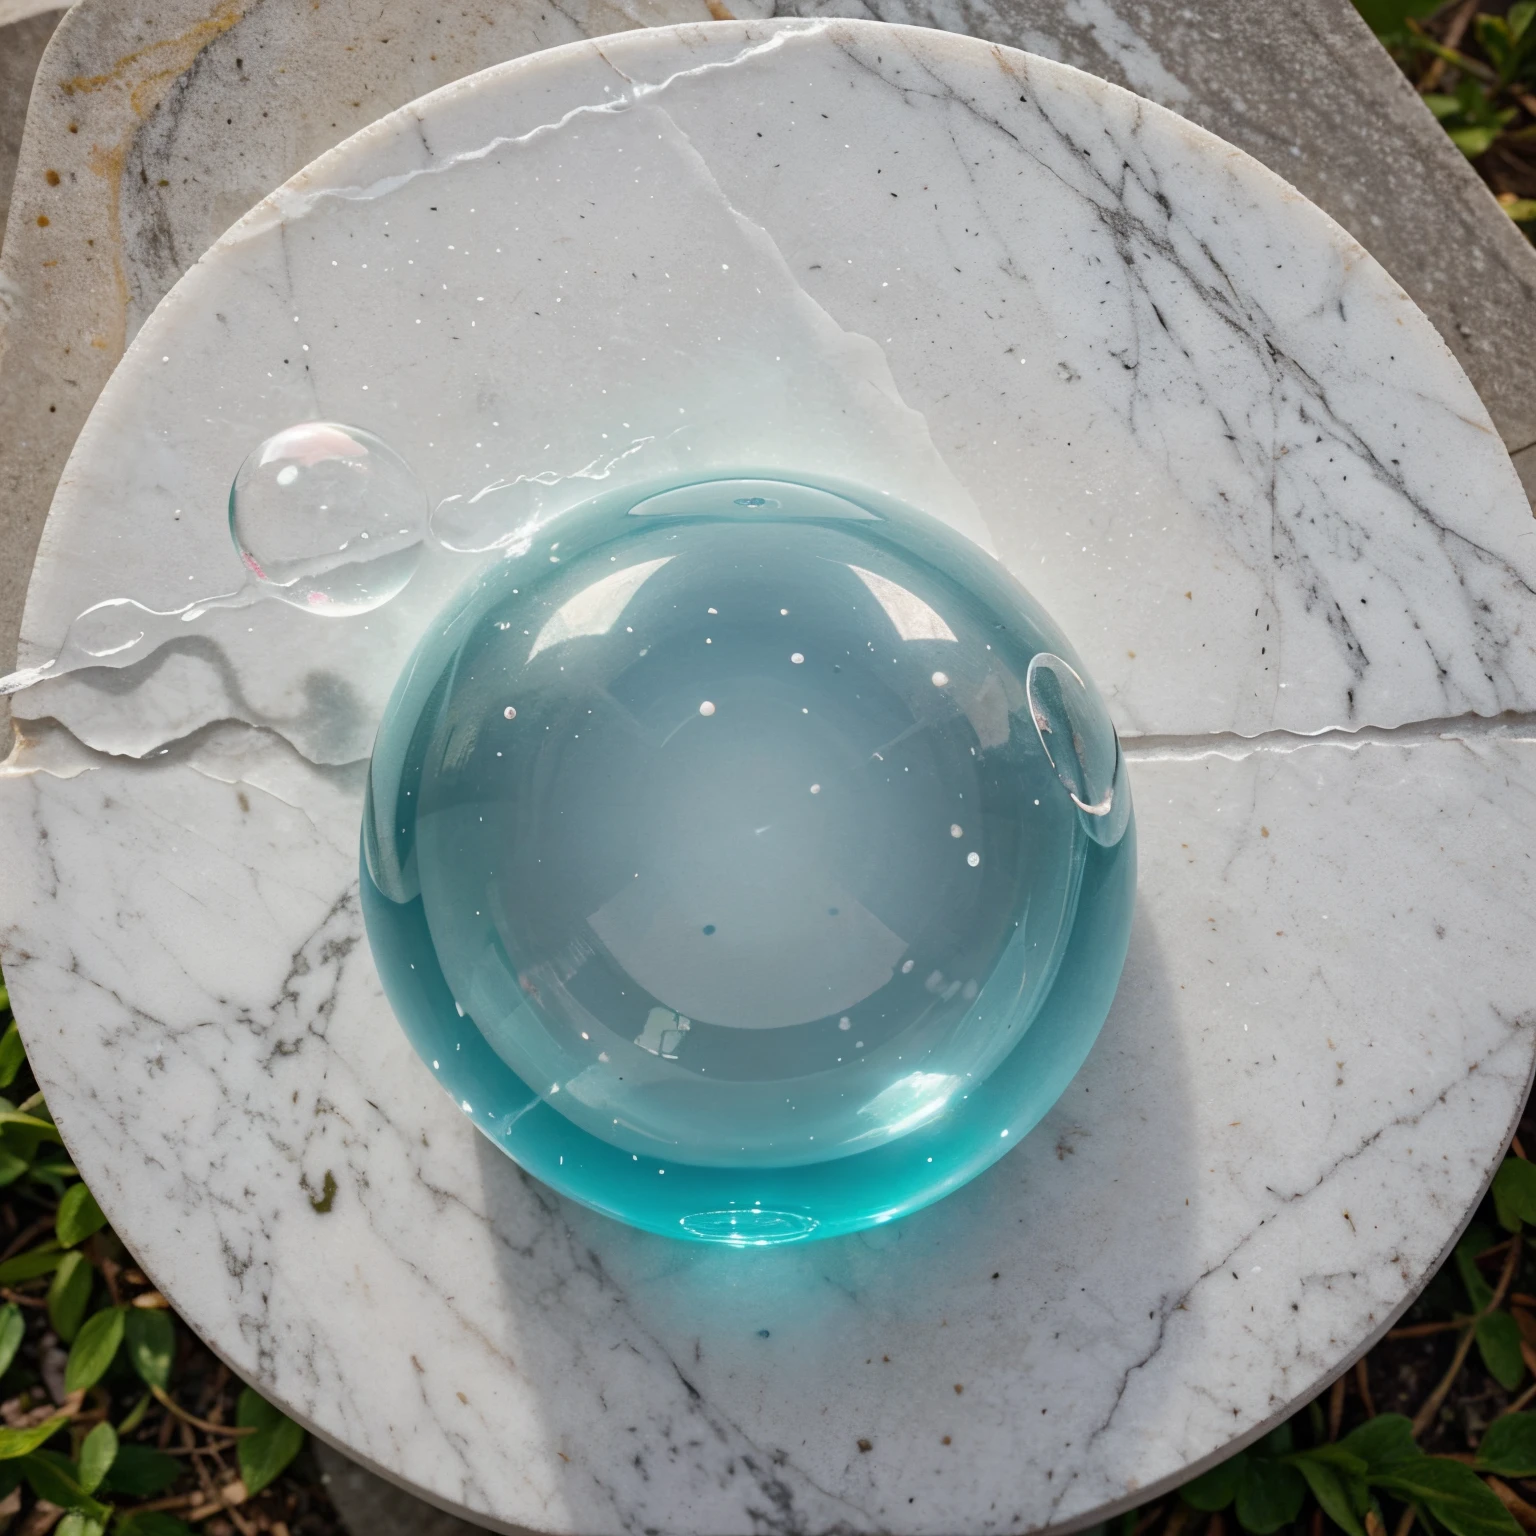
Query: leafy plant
x=1509, y=42
x=274, y=1443
x=1474, y=63
x=1470, y=117
x=104, y=1450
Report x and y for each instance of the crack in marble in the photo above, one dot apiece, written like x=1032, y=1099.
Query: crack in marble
x=47, y=746
x=288, y=204
x=1512, y=726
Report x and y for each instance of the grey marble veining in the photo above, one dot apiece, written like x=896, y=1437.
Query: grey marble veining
x=1324, y=1032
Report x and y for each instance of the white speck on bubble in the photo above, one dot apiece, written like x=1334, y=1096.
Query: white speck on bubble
x=509, y=713
x=706, y=708
x=797, y=658
x=940, y=679
x=815, y=789
x=845, y=1022
x=955, y=829
x=973, y=859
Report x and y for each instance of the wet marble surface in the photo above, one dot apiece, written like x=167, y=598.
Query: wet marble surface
x=165, y=124
x=1324, y=1032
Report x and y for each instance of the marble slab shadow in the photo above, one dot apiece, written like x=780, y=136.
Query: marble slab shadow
x=1324, y=1032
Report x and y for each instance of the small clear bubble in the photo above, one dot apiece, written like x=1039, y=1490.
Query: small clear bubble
x=328, y=517
x=509, y=713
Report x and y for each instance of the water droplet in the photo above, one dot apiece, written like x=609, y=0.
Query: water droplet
x=580, y=881
x=509, y=713
x=1080, y=743
x=328, y=517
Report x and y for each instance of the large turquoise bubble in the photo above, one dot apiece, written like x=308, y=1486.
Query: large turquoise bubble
x=750, y=861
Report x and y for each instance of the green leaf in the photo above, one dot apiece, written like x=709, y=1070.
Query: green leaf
x=12, y=1167
x=141, y=1472
x=97, y=1452
x=1280, y=1441
x=94, y=1347
x=1441, y=105
x=53, y=1477
x=1479, y=1292
x=1384, y=1444
x=1473, y=142
x=69, y=1295
x=77, y=1524
x=20, y=1442
x=263, y=1456
x=1334, y=1456
x=13, y=1329
x=1269, y=1495
x=154, y=1522
x=1342, y=1493
x=44, y=1130
x=1509, y=1446
x=31, y=1265
x=1521, y=209
x=1217, y=1488
x=151, y=1337
x=135, y=1417
x=1514, y=1193
x=79, y=1216
x=1498, y=1342
x=1388, y=18
x=13, y=1055
x=1454, y=1494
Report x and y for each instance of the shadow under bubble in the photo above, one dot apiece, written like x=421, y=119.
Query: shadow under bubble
x=685, y=1381
x=332, y=723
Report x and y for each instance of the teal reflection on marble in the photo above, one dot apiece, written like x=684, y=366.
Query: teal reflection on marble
x=751, y=861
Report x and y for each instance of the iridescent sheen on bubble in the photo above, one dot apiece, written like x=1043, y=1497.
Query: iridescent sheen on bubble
x=750, y=861
x=328, y=517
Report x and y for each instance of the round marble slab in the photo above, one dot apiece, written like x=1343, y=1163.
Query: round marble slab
x=1219, y=444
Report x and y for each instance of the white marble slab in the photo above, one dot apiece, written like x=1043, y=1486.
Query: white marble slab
x=1150, y=375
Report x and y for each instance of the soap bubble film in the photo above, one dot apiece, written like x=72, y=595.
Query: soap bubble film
x=328, y=517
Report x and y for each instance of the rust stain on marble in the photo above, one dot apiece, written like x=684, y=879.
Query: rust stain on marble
x=153, y=64
x=145, y=75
